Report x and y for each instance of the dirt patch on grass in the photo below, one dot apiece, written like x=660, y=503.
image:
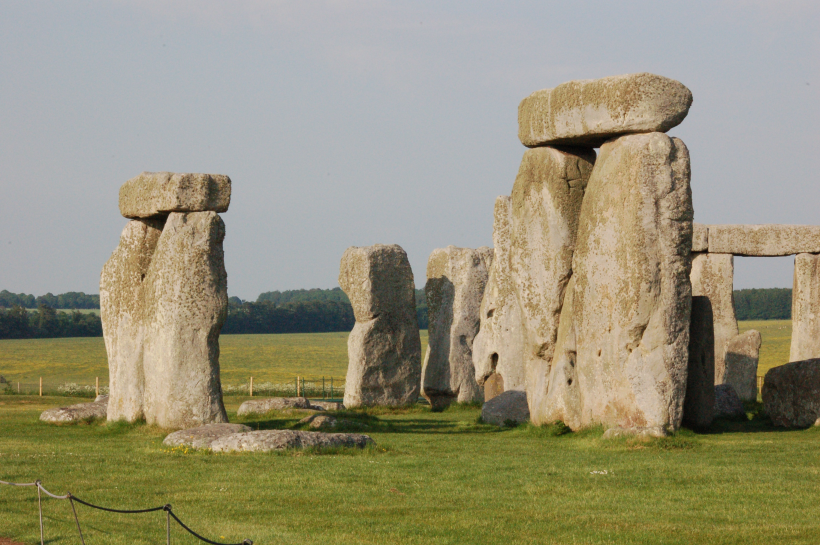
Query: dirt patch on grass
x=8, y=541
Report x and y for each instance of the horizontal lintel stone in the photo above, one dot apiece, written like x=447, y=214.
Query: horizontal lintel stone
x=764, y=240
x=157, y=194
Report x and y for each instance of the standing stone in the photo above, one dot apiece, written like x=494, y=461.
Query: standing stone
x=791, y=394
x=712, y=276
x=121, y=312
x=589, y=112
x=742, y=355
x=384, y=348
x=806, y=308
x=186, y=302
x=456, y=278
x=156, y=194
x=625, y=353
x=699, y=405
x=498, y=347
x=546, y=203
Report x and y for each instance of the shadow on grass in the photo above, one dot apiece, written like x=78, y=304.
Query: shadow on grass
x=755, y=421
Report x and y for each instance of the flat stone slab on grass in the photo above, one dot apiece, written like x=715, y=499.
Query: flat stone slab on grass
x=791, y=394
x=156, y=194
x=203, y=436
x=509, y=406
x=262, y=406
x=270, y=440
x=589, y=112
x=78, y=412
x=327, y=405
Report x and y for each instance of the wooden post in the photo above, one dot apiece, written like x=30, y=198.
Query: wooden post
x=251, y=387
x=331, y=387
x=97, y=387
x=323, y=387
x=41, y=386
x=18, y=387
x=298, y=387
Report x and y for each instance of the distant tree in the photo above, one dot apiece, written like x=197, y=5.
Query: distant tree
x=763, y=304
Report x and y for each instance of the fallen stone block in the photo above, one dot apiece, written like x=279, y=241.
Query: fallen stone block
x=262, y=406
x=764, y=240
x=791, y=394
x=589, y=112
x=511, y=406
x=270, y=440
x=156, y=194
x=327, y=405
x=77, y=413
x=203, y=436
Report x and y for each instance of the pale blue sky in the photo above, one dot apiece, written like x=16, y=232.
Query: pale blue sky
x=351, y=123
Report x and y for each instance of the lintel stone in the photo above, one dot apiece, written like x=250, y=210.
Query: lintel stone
x=764, y=240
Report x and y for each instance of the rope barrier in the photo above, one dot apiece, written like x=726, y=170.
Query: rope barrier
x=72, y=498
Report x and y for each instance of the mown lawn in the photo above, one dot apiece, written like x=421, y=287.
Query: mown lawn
x=434, y=478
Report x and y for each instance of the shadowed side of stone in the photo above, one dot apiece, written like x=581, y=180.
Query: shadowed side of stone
x=727, y=404
x=270, y=440
x=456, y=279
x=791, y=394
x=78, y=412
x=203, y=436
x=742, y=355
x=511, y=406
x=699, y=405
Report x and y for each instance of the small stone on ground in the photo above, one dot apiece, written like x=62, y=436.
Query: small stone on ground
x=270, y=440
x=203, y=436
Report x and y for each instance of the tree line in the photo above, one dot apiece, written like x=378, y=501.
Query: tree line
x=292, y=311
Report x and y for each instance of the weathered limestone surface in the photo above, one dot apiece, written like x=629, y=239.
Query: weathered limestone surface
x=510, y=406
x=261, y=406
x=791, y=394
x=546, y=203
x=384, y=348
x=154, y=194
x=589, y=112
x=764, y=240
x=122, y=315
x=76, y=413
x=806, y=308
x=456, y=278
x=742, y=355
x=727, y=404
x=186, y=302
x=712, y=276
x=203, y=436
x=700, y=237
x=622, y=361
x=498, y=347
x=327, y=405
x=268, y=440
x=699, y=404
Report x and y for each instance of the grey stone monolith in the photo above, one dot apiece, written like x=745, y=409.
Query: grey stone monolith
x=498, y=348
x=805, y=343
x=622, y=360
x=712, y=277
x=122, y=315
x=456, y=278
x=791, y=394
x=157, y=194
x=589, y=112
x=764, y=240
x=740, y=369
x=384, y=348
x=185, y=304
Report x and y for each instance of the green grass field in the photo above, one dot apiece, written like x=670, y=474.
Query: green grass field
x=434, y=478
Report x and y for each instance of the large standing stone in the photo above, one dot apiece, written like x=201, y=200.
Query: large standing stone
x=186, y=302
x=791, y=394
x=589, y=112
x=384, y=348
x=122, y=314
x=806, y=308
x=699, y=405
x=546, y=203
x=742, y=355
x=764, y=240
x=623, y=361
x=712, y=277
x=456, y=278
x=498, y=347
x=159, y=193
